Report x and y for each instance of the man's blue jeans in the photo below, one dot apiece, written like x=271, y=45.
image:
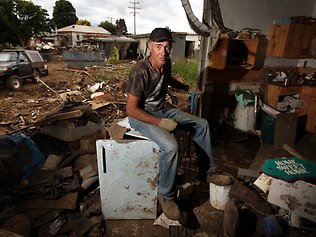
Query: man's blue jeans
x=168, y=161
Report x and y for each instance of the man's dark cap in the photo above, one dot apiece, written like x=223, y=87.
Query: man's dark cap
x=160, y=35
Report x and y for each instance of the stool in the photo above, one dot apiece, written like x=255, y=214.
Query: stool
x=187, y=157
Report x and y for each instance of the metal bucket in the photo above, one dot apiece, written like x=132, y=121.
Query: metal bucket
x=220, y=186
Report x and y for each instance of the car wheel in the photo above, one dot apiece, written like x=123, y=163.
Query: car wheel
x=37, y=76
x=14, y=82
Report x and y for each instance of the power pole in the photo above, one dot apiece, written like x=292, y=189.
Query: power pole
x=134, y=12
x=111, y=18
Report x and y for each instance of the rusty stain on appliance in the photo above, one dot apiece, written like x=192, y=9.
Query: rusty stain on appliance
x=153, y=182
x=290, y=201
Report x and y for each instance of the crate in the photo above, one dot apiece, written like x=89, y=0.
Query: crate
x=279, y=128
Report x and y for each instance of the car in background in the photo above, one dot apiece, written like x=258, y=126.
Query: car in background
x=18, y=65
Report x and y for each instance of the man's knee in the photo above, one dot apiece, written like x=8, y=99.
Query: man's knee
x=169, y=146
x=204, y=123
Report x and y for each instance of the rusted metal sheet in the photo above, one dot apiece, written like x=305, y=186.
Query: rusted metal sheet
x=84, y=58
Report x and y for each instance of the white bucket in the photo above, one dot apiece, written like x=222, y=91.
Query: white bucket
x=220, y=186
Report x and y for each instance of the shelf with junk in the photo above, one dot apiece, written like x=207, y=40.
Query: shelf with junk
x=240, y=52
x=294, y=90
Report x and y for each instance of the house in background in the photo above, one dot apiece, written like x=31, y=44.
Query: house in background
x=127, y=46
x=186, y=45
x=90, y=45
x=73, y=35
x=98, y=39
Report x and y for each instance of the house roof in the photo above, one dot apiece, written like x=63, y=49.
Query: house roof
x=84, y=29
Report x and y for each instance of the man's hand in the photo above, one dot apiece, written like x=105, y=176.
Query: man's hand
x=168, y=124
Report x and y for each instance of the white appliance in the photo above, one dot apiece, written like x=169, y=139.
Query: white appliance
x=128, y=175
x=245, y=118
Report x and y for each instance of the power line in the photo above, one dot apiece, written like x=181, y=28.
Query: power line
x=134, y=12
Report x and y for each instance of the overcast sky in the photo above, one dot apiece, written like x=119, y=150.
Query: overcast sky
x=152, y=13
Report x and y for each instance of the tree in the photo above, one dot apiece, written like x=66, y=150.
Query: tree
x=83, y=22
x=121, y=27
x=168, y=28
x=21, y=20
x=108, y=26
x=64, y=14
x=5, y=17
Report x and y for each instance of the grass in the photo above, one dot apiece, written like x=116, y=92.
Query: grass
x=187, y=69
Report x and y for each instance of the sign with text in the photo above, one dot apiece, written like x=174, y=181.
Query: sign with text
x=289, y=168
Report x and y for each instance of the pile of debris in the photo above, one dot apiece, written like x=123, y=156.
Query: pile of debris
x=48, y=164
x=49, y=181
x=274, y=201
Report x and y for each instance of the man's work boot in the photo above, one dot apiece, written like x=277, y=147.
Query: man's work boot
x=169, y=208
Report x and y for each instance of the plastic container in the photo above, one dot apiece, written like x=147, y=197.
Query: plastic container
x=271, y=227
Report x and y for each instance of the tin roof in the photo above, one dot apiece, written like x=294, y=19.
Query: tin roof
x=84, y=29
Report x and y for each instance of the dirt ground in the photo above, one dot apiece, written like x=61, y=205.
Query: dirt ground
x=19, y=109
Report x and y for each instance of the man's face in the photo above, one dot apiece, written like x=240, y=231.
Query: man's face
x=160, y=51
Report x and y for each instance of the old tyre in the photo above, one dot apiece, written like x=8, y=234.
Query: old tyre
x=36, y=77
x=14, y=82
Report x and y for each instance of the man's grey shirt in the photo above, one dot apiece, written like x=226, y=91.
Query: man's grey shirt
x=149, y=85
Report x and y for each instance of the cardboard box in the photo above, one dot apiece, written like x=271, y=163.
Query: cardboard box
x=278, y=128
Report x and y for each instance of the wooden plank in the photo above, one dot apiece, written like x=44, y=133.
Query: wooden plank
x=273, y=93
x=231, y=219
x=294, y=41
x=307, y=70
x=311, y=120
x=308, y=33
x=218, y=56
x=60, y=116
x=251, y=46
x=242, y=193
x=261, y=52
x=285, y=129
x=248, y=173
x=67, y=202
x=309, y=91
x=278, y=40
x=236, y=75
x=298, y=197
x=291, y=40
